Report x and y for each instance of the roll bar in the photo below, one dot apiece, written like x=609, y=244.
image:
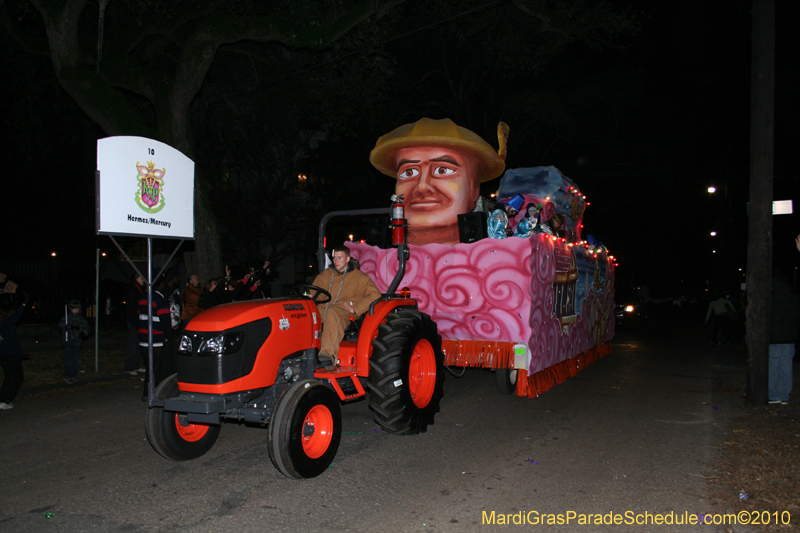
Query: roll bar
x=402, y=249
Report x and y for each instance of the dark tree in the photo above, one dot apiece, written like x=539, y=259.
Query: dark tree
x=134, y=67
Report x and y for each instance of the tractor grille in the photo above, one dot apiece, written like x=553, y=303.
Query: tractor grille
x=239, y=349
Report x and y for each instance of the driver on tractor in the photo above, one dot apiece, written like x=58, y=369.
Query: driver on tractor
x=352, y=292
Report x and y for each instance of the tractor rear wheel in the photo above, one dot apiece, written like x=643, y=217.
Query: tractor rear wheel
x=506, y=380
x=172, y=437
x=305, y=430
x=406, y=373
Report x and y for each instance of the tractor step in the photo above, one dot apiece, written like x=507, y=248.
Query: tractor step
x=343, y=373
x=339, y=371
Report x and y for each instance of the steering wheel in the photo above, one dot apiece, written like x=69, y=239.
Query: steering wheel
x=320, y=291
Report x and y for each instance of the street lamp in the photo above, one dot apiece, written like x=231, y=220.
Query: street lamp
x=713, y=233
x=712, y=190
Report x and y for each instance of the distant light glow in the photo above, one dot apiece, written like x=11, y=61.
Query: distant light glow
x=713, y=233
x=712, y=190
x=52, y=254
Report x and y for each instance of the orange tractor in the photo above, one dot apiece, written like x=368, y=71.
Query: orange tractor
x=256, y=362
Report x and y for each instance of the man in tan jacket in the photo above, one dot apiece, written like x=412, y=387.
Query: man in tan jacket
x=352, y=292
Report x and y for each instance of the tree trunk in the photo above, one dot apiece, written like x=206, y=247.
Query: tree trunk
x=207, y=256
x=759, y=245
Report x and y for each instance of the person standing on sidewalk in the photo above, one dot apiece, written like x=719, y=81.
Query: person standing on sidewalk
x=719, y=312
x=10, y=354
x=8, y=290
x=161, y=322
x=784, y=331
x=73, y=329
x=133, y=354
x=192, y=304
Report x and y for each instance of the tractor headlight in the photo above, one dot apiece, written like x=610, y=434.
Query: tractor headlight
x=186, y=344
x=225, y=343
x=212, y=345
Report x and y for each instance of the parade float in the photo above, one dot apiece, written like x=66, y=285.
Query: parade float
x=536, y=308
x=549, y=298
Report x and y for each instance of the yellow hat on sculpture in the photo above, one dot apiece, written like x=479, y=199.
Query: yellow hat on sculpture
x=444, y=132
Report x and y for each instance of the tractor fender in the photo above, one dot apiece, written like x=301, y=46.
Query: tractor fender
x=370, y=327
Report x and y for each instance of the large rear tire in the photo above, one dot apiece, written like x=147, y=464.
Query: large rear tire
x=406, y=373
x=175, y=439
x=305, y=430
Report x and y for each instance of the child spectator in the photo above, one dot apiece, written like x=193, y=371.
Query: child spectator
x=73, y=329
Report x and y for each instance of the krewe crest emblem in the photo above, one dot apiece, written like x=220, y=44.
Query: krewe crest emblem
x=150, y=190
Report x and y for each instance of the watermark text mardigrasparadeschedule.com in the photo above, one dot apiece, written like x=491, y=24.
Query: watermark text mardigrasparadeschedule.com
x=633, y=518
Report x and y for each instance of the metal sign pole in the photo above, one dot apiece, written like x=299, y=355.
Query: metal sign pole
x=150, y=372
x=97, y=314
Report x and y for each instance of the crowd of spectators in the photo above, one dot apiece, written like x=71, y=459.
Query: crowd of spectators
x=173, y=310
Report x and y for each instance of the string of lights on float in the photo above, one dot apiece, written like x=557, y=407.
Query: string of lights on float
x=593, y=248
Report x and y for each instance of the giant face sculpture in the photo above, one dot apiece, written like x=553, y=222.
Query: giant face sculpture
x=437, y=184
x=439, y=167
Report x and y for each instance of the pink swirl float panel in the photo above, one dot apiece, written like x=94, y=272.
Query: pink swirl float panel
x=555, y=297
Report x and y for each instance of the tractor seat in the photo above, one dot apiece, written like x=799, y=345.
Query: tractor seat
x=352, y=329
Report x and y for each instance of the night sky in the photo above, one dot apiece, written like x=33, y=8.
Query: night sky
x=643, y=125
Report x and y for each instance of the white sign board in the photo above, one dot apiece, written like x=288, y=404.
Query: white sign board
x=782, y=207
x=144, y=188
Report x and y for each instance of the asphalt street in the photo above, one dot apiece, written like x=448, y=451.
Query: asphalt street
x=633, y=433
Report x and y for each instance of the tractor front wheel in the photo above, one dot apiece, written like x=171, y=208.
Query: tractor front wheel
x=406, y=373
x=305, y=430
x=173, y=437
